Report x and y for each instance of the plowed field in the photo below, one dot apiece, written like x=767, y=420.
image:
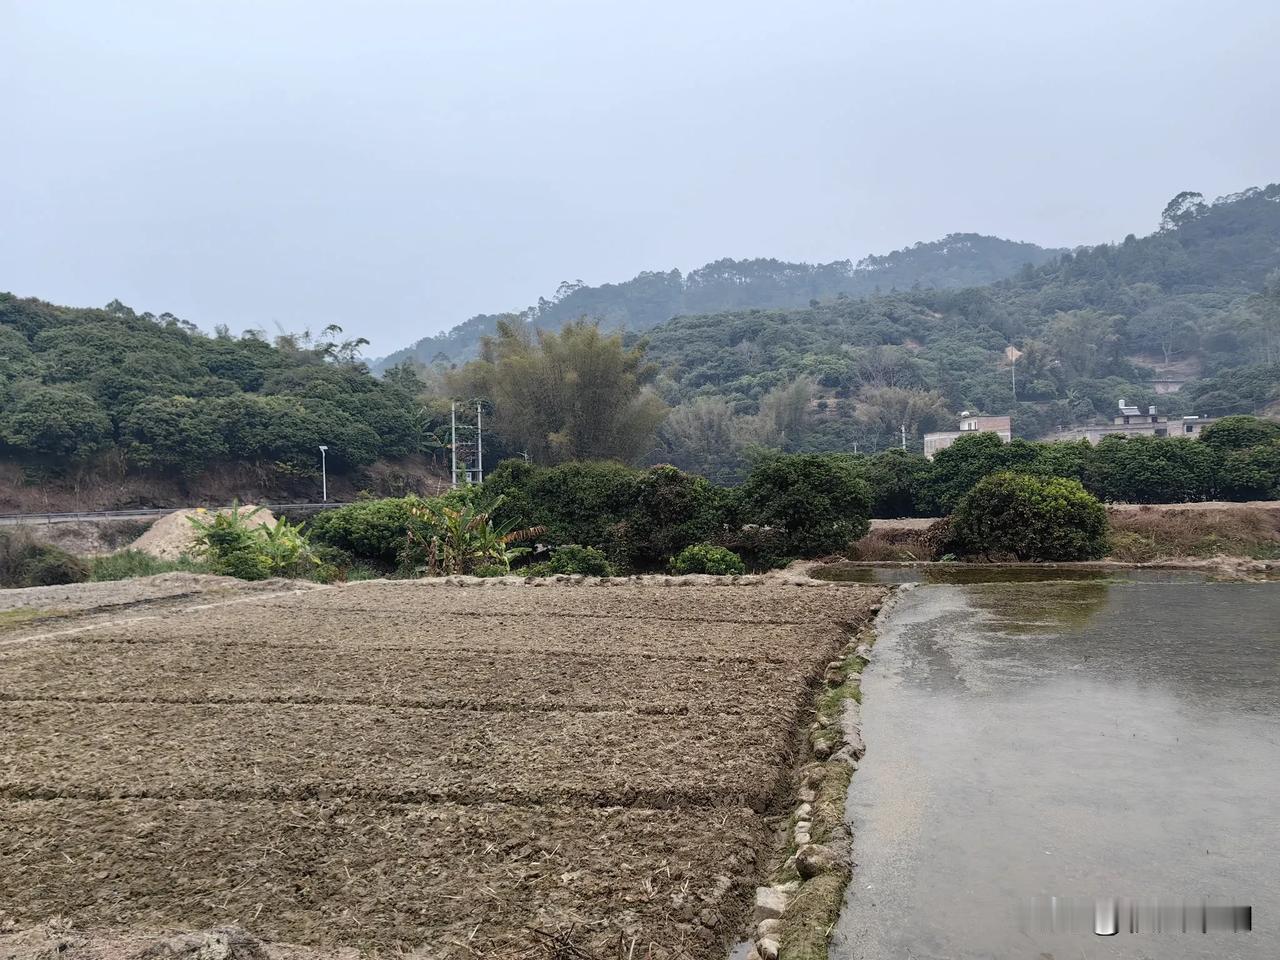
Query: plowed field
x=427, y=766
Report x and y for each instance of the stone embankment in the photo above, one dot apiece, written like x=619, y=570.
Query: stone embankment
x=794, y=914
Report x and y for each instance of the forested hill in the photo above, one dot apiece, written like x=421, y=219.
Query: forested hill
x=958, y=260
x=1197, y=301
x=105, y=392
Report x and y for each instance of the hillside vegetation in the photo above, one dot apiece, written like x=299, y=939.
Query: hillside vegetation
x=1199, y=301
x=650, y=298
x=109, y=392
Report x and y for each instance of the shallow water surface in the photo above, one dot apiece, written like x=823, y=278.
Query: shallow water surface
x=995, y=573
x=1072, y=739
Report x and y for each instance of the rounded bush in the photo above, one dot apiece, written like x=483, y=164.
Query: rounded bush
x=579, y=560
x=1029, y=518
x=1239, y=432
x=818, y=501
x=707, y=558
x=370, y=530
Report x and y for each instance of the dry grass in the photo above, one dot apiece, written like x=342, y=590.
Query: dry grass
x=1147, y=534
x=892, y=544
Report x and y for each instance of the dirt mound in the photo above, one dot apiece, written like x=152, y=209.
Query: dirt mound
x=172, y=535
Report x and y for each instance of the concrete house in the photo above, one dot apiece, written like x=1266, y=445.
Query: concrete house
x=1132, y=422
x=1000, y=426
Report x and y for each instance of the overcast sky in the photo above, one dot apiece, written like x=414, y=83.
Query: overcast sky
x=398, y=167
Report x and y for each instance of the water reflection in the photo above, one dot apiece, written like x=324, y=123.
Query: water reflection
x=1066, y=739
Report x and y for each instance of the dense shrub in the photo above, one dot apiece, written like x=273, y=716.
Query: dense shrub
x=25, y=562
x=638, y=518
x=51, y=566
x=1154, y=470
x=761, y=548
x=232, y=545
x=1236, y=458
x=1251, y=474
x=373, y=531
x=1239, y=433
x=580, y=502
x=819, y=502
x=707, y=558
x=894, y=477
x=572, y=559
x=370, y=530
x=1029, y=518
x=672, y=510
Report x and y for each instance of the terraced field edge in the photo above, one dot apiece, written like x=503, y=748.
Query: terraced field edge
x=794, y=916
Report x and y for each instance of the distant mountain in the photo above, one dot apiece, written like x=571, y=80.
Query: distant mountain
x=1198, y=300
x=653, y=297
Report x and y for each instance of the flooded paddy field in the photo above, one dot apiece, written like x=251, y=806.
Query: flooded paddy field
x=1079, y=739
x=409, y=766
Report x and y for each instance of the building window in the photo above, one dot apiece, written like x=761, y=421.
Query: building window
x=1189, y=427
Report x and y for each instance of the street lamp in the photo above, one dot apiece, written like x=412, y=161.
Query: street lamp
x=324, y=475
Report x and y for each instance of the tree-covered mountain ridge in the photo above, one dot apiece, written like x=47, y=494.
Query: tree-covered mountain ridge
x=1197, y=302
x=653, y=297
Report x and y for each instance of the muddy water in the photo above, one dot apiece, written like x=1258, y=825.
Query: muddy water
x=1073, y=739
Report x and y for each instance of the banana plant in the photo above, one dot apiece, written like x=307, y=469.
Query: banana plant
x=443, y=539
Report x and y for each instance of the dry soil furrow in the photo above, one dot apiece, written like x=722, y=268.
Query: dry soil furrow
x=780, y=643
x=220, y=672
x=379, y=875
x=767, y=602
x=97, y=750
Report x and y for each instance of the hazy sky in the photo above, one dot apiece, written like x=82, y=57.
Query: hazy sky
x=397, y=167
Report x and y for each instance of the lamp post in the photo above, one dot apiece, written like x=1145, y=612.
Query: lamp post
x=324, y=474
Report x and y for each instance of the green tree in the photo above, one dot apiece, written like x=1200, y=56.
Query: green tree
x=54, y=422
x=1029, y=518
x=894, y=477
x=580, y=502
x=888, y=409
x=671, y=511
x=576, y=394
x=1239, y=433
x=1252, y=474
x=819, y=502
x=1155, y=470
x=174, y=432
x=955, y=470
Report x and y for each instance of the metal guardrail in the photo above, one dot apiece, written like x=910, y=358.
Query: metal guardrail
x=13, y=519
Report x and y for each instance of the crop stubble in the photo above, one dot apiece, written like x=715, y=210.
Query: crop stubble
x=397, y=764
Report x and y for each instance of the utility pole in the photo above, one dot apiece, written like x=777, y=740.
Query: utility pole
x=324, y=474
x=479, y=446
x=453, y=444
x=904, y=436
x=1013, y=372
